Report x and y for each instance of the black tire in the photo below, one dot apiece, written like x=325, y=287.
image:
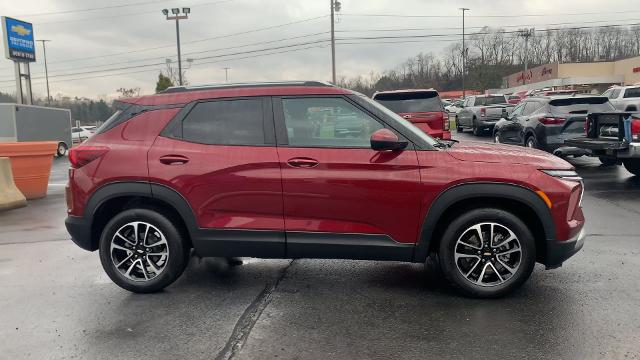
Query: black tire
x=458, y=127
x=178, y=250
x=459, y=226
x=62, y=149
x=531, y=142
x=633, y=166
x=496, y=137
x=607, y=161
x=476, y=130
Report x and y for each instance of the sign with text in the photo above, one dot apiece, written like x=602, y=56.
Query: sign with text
x=533, y=75
x=19, y=43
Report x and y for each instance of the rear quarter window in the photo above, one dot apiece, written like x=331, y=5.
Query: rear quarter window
x=632, y=93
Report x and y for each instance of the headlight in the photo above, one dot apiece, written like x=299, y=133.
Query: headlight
x=570, y=175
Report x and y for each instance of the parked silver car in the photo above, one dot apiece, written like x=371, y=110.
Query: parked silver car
x=481, y=112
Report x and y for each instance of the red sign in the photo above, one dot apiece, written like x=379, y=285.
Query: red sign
x=636, y=69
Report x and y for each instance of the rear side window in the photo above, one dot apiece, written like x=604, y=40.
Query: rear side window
x=632, y=93
x=411, y=102
x=228, y=122
x=490, y=100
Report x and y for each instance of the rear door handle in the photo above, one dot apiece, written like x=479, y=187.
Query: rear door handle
x=303, y=162
x=174, y=159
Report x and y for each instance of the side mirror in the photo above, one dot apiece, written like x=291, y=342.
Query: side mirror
x=385, y=139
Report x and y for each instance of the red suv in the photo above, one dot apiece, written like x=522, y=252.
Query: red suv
x=259, y=170
x=423, y=108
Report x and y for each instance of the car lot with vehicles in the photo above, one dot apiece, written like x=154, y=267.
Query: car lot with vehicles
x=481, y=112
x=64, y=306
x=545, y=122
x=422, y=107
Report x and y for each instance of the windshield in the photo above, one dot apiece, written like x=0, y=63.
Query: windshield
x=580, y=105
x=489, y=100
x=431, y=141
x=411, y=102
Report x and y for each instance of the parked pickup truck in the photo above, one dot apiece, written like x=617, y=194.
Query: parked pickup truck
x=605, y=138
x=625, y=98
x=481, y=112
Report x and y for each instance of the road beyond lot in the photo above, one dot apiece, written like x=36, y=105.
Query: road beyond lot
x=57, y=303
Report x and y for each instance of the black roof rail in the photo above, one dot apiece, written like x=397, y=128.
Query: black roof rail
x=177, y=89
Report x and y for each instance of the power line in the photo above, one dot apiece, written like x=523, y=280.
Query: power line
x=93, y=9
x=187, y=42
x=492, y=16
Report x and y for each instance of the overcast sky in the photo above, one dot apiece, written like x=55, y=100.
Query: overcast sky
x=129, y=37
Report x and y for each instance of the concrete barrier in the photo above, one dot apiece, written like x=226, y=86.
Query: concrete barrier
x=10, y=196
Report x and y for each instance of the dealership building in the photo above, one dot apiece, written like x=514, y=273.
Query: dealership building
x=592, y=78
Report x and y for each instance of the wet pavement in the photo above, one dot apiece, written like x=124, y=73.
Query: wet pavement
x=57, y=303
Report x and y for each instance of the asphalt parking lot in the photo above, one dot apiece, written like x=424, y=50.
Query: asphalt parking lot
x=57, y=303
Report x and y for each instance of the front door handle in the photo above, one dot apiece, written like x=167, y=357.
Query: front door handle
x=302, y=162
x=174, y=159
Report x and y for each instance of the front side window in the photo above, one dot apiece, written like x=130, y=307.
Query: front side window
x=517, y=111
x=615, y=93
x=530, y=108
x=227, y=122
x=327, y=122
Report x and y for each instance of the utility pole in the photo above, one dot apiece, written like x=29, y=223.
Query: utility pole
x=335, y=7
x=177, y=17
x=464, y=54
x=226, y=74
x=46, y=71
x=526, y=34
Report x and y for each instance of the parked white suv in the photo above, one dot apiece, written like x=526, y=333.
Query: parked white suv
x=625, y=98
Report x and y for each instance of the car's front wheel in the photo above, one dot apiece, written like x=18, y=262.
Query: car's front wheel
x=142, y=250
x=476, y=129
x=496, y=137
x=487, y=253
x=458, y=127
x=531, y=142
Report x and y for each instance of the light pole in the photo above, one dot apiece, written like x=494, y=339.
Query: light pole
x=526, y=34
x=464, y=55
x=46, y=71
x=177, y=17
x=226, y=74
x=335, y=7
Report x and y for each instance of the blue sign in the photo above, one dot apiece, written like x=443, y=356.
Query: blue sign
x=19, y=43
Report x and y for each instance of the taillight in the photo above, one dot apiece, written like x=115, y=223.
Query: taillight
x=483, y=112
x=552, y=120
x=445, y=121
x=84, y=154
x=635, y=129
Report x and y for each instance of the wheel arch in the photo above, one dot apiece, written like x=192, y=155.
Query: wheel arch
x=115, y=197
x=520, y=201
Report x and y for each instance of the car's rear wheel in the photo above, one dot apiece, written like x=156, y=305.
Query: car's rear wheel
x=142, y=250
x=487, y=253
x=531, y=142
x=633, y=166
x=475, y=128
x=62, y=149
x=607, y=161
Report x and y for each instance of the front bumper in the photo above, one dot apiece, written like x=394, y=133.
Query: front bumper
x=559, y=251
x=80, y=231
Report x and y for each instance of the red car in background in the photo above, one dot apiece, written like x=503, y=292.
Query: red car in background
x=422, y=107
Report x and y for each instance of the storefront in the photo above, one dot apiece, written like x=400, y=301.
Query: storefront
x=585, y=77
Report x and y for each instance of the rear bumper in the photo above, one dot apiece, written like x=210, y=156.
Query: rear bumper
x=80, y=231
x=559, y=251
x=487, y=123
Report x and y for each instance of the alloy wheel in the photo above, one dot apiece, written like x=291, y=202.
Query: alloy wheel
x=139, y=251
x=488, y=254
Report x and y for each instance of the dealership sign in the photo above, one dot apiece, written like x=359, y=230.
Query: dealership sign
x=19, y=44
